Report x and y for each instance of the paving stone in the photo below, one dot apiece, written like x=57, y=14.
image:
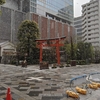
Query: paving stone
x=55, y=88
x=2, y=88
x=24, y=88
x=15, y=96
x=31, y=83
x=14, y=85
x=24, y=85
x=3, y=96
x=51, y=97
x=50, y=89
x=1, y=99
x=37, y=97
x=8, y=83
x=35, y=87
x=46, y=94
x=34, y=93
x=2, y=93
x=46, y=78
x=54, y=84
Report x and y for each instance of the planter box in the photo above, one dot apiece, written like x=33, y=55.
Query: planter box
x=44, y=65
x=73, y=62
x=24, y=64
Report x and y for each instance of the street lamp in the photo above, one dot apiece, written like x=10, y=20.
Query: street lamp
x=78, y=54
x=86, y=59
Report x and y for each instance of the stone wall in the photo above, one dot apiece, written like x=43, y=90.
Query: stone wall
x=9, y=24
x=50, y=28
x=10, y=21
x=5, y=24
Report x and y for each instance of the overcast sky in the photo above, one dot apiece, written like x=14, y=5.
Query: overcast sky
x=77, y=6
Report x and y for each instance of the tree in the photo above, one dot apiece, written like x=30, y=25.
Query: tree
x=70, y=49
x=79, y=51
x=27, y=34
x=2, y=2
x=84, y=51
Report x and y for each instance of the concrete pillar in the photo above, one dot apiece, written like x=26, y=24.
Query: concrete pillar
x=21, y=5
x=12, y=25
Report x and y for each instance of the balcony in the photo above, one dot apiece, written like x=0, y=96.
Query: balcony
x=93, y=40
x=92, y=14
x=93, y=27
x=93, y=31
x=84, y=26
x=93, y=36
x=93, y=22
x=95, y=44
x=84, y=21
x=92, y=5
x=93, y=9
x=93, y=18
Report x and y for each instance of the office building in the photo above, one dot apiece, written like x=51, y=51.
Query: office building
x=56, y=9
x=54, y=18
x=61, y=10
x=78, y=27
x=91, y=23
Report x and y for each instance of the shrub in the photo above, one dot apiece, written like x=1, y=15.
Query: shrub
x=81, y=62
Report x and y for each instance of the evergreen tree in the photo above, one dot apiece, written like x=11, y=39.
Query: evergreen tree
x=72, y=49
x=27, y=34
x=2, y=2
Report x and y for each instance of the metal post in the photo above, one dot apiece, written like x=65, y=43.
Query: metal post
x=41, y=51
x=57, y=51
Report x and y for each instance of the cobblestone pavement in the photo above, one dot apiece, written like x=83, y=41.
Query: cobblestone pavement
x=31, y=83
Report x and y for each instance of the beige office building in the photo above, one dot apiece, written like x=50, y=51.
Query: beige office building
x=91, y=23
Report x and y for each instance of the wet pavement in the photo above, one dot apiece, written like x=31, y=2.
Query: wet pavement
x=31, y=83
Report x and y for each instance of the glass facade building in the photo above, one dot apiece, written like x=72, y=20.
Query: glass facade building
x=55, y=9
x=51, y=8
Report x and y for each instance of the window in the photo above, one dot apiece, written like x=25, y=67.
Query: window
x=89, y=34
x=89, y=38
x=78, y=26
x=79, y=30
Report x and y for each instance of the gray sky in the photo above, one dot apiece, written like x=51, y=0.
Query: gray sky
x=77, y=6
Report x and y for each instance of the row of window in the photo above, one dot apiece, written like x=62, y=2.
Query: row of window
x=78, y=26
x=94, y=38
x=93, y=34
x=80, y=21
x=90, y=4
x=93, y=16
x=62, y=7
x=78, y=30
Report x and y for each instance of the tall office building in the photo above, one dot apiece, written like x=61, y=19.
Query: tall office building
x=54, y=18
x=78, y=26
x=91, y=23
x=56, y=9
x=61, y=10
x=13, y=4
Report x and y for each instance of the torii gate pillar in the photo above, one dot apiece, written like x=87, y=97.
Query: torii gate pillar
x=57, y=44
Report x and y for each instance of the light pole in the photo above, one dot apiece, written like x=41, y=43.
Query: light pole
x=78, y=54
x=86, y=59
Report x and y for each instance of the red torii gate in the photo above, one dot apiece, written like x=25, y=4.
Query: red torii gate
x=55, y=43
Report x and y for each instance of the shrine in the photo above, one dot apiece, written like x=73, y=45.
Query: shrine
x=54, y=42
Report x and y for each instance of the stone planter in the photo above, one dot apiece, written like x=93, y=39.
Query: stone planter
x=24, y=64
x=44, y=65
x=73, y=62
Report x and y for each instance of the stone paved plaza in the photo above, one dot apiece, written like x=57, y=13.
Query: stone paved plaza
x=31, y=83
